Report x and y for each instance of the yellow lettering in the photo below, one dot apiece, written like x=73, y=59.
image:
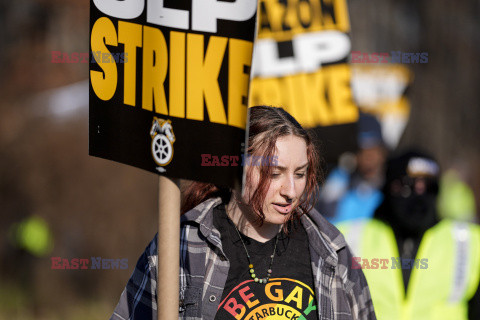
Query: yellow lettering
x=318, y=99
x=263, y=22
x=202, y=78
x=278, y=292
x=340, y=94
x=155, y=65
x=283, y=20
x=104, y=83
x=298, y=104
x=275, y=12
x=296, y=295
x=177, y=74
x=194, y=72
x=341, y=15
x=305, y=13
x=290, y=19
x=317, y=104
x=265, y=91
x=130, y=34
x=239, y=56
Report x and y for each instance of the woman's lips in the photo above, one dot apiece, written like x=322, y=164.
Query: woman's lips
x=283, y=208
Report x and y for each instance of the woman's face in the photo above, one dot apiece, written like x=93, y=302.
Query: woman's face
x=287, y=180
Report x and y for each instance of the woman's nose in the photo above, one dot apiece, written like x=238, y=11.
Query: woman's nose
x=288, y=189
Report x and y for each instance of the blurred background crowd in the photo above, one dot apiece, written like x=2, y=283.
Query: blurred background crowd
x=56, y=201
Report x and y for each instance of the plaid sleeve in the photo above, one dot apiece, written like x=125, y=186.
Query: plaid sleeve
x=357, y=289
x=139, y=299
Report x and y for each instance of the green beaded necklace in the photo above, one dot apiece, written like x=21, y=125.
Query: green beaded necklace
x=250, y=265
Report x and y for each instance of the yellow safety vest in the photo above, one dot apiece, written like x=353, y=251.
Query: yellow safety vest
x=442, y=281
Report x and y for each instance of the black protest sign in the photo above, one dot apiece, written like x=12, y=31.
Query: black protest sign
x=169, y=83
x=300, y=63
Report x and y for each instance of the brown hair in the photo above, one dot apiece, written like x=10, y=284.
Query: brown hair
x=267, y=124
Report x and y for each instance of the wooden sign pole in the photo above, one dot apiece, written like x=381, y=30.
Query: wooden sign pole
x=168, y=248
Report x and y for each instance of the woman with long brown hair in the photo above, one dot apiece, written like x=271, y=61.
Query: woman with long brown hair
x=261, y=254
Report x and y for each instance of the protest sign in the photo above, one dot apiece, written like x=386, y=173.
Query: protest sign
x=300, y=63
x=169, y=83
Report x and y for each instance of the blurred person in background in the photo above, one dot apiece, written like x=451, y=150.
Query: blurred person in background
x=417, y=267
x=456, y=199
x=352, y=190
x=30, y=240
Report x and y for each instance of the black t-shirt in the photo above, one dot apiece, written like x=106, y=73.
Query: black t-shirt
x=289, y=293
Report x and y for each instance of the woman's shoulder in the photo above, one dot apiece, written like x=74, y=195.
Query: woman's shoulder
x=331, y=236
x=200, y=212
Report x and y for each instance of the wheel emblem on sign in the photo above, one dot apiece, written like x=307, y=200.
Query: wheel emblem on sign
x=162, y=142
x=161, y=149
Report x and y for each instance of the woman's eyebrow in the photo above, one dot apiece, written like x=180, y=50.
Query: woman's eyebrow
x=302, y=167
x=284, y=168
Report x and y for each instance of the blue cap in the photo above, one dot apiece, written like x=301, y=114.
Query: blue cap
x=369, y=131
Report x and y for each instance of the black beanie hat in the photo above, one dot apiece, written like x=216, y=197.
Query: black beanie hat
x=412, y=164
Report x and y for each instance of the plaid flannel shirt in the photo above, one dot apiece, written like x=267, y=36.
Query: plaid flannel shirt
x=341, y=292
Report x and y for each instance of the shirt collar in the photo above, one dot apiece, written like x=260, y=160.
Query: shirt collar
x=202, y=215
x=327, y=240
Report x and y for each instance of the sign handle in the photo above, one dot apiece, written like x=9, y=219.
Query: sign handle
x=168, y=248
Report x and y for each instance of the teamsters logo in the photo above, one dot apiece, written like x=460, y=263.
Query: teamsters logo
x=162, y=142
